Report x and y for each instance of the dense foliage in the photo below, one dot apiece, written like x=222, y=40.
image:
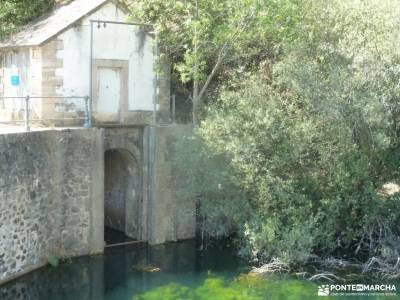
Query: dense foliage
x=16, y=13
x=293, y=153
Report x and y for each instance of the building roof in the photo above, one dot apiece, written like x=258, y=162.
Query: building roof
x=41, y=30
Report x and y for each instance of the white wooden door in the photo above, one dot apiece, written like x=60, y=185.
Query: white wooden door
x=108, y=93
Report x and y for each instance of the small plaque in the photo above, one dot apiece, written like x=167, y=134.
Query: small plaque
x=15, y=80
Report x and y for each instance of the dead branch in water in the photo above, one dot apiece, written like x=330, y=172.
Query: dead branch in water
x=388, y=269
x=326, y=275
x=275, y=266
x=301, y=274
x=332, y=262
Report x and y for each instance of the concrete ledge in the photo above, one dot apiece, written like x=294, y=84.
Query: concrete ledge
x=41, y=265
x=22, y=273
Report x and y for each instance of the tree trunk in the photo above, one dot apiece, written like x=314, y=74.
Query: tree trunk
x=195, y=99
x=196, y=104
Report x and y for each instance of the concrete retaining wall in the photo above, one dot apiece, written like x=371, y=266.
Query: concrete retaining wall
x=50, y=197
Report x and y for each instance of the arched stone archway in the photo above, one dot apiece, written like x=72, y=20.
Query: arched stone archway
x=122, y=192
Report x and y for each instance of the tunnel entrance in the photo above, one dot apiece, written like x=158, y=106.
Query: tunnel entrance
x=120, y=197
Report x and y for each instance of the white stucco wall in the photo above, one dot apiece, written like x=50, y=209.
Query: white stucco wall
x=118, y=42
x=26, y=63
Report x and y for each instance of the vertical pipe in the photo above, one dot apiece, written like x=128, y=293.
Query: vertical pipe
x=173, y=108
x=89, y=100
x=91, y=75
x=195, y=71
x=152, y=236
x=63, y=110
x=27, y=127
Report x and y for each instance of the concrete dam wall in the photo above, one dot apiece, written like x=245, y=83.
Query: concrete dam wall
x=59, y=188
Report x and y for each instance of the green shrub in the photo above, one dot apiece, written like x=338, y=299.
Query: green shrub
x=16, y=13
x=309, y=141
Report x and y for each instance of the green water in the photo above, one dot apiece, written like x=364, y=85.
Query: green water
x=168, y=272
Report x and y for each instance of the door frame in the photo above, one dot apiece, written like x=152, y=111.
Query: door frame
x=123, y=100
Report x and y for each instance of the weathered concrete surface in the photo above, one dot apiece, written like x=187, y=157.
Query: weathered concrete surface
x=50, y=197
x=170, y=218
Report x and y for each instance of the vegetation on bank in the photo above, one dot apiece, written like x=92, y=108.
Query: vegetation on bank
x=299, y=126
x=242, y=288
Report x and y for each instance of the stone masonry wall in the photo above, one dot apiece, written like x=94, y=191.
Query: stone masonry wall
x=51, y=83
x=50, y=197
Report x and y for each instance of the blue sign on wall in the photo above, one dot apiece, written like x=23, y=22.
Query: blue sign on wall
x=15, y=80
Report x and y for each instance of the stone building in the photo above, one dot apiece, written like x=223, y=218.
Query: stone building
x=83, y=49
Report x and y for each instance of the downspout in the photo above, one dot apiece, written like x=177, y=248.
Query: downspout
x=152, y=146
x=156, y=88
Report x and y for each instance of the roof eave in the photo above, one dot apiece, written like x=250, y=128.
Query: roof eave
x=15, y=47
x=41, y=43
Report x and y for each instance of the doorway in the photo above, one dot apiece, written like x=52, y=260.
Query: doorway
x=121, y=207
x=110, y=93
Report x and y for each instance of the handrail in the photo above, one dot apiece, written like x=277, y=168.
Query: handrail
x=42, y=97
x=27, y=119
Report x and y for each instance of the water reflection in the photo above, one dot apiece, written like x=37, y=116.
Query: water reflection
x=172, y=271
x=121, y=273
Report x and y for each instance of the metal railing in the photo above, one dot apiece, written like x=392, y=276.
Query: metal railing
x=26, y=107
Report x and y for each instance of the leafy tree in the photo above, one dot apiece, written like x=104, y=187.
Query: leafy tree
x=16, y=13
x=209, y=39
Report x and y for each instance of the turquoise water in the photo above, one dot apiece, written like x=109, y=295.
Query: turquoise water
x=175, y=271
